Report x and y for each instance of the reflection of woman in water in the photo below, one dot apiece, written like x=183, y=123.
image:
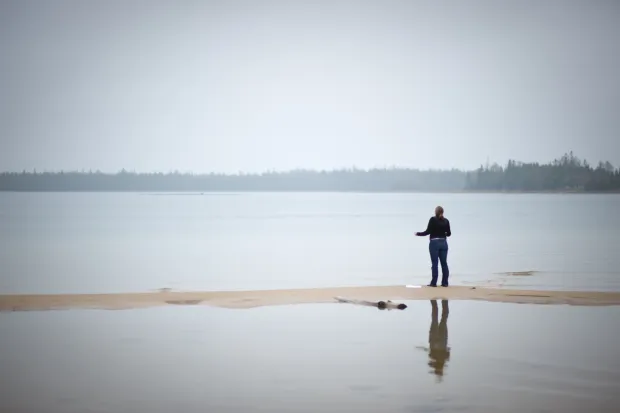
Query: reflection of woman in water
x=438, y=351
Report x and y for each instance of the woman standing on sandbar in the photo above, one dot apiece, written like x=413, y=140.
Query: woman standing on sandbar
x=439, y=229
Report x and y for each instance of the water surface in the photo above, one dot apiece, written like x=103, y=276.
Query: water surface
x=118, y=242
x=309, y=358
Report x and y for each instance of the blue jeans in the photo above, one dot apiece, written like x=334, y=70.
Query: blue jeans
x=439, y=252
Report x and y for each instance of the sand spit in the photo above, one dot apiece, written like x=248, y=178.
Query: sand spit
x=258, y=298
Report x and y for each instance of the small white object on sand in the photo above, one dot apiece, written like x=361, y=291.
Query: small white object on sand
x=413, y=286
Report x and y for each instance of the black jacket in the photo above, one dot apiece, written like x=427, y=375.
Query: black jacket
x=437, y=228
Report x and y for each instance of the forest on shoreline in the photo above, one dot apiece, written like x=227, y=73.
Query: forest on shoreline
x=565, y=174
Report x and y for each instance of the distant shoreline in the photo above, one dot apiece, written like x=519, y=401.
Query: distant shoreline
x=293, y=191
x=566, y=175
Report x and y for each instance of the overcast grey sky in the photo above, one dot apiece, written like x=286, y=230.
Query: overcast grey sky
x=257, y=85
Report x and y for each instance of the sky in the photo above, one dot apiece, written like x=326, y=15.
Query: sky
x=257, y=85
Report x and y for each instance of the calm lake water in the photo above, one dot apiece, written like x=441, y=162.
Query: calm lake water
x=113, y=242
x=494, y=357
x=486, y=357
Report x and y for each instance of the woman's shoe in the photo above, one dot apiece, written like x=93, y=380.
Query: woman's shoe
x=432, y=285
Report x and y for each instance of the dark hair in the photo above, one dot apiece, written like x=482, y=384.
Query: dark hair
x=439, y=212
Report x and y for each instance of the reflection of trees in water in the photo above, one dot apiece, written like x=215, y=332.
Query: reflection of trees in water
x=438, y=350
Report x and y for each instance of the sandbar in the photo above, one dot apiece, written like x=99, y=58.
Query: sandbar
x=259, y=298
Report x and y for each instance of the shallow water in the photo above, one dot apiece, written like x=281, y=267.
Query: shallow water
x=308, y=358
x=118, y=242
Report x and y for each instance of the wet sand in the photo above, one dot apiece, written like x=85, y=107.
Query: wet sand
x=259, y=298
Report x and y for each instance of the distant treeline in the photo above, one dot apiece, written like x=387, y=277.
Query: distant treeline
x=375, y=180
x=568, y=173
x=565, y=174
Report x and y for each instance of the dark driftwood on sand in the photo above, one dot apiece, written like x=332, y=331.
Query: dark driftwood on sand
x=184, y=302
x=381, y=305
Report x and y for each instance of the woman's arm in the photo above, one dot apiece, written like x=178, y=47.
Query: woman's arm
x=448, y=230
x=428, y=229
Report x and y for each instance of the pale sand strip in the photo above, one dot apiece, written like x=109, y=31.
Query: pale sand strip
x=249, y=299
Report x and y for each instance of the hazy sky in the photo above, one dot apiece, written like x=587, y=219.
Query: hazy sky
x=256, y=85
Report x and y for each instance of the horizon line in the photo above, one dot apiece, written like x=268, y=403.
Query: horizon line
x=238, y=173
x=272, y=171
